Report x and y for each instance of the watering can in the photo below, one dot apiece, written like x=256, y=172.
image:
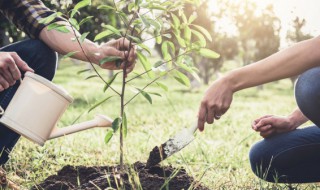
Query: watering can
x=36, y=108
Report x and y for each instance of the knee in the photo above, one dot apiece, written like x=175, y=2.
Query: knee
x=45, y=59
x=307, y=88
x=261, y=162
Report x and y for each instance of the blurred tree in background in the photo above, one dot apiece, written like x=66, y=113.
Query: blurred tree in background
x=296, y=34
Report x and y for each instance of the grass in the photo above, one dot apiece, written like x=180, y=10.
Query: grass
x=218, y=157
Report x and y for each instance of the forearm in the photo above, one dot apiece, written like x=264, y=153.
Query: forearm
x=64, y=43
x=289, y=62
x=297, y=118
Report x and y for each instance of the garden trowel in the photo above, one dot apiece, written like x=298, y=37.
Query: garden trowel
x=173, y=145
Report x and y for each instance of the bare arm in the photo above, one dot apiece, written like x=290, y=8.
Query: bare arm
x=64, y=43
x=286, y=63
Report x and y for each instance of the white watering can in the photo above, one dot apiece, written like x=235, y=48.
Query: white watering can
x=36, y=108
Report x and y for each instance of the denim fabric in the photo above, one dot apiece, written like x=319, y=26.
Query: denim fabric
x=43, y=61
x=293, y=157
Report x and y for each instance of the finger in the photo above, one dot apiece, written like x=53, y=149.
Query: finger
x=264, y=128
x=3, y=82
x=130, y=69
x=210, y=116
x=8, y=77
x=123, y=44
x=20, y=63
x=202, y=117
x=265, y=116
x=132, y=55
x=267, y=134
x=264, y=122
x=14, y=71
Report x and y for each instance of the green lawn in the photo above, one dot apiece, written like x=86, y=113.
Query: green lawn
x=219, y=154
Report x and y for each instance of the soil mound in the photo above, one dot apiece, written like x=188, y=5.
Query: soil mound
x=137, y=177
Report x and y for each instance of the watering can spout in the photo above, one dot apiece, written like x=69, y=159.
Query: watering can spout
x=98, y=121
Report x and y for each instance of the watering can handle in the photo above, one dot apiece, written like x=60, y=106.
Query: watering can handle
x=1, y=109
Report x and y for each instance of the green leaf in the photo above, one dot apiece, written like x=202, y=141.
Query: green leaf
x=135, y=39
x=158, y=64
x=109, y=59
x=74, y=23
x=113, y=29
x=106, y=86
x=146, y=95
x=187, y=33
x=209, y=53
x=163, y=86
x=108, y=136
x=84, y=36
x=157, y=7
x=103, y=35
x=145, y=63
x=184, y=18
x=176, y=21
x=99, y=103
x=164, y=49
x=69, y=54
x=182, y=78
x=200, y=37
x=85, y=20
x=181, y=41
x=159, y=39
x=105, y=7
x=192, y=18
x=50, y=18
x=92, y=76
x=203, y=31
x=82, y=71
x=116, y=123
x=146, y=48
x=124, y=124
x=137, y=2
x=155, y=93
x=58, y=27
x=80, y=5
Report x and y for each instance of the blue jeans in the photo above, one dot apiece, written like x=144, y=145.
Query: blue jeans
x=293, y=157
x=43, y=61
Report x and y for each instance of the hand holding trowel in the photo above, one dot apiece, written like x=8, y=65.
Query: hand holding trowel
x=173, y=145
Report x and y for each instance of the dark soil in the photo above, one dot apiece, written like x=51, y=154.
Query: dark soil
x=137, y=177
x=156, y=155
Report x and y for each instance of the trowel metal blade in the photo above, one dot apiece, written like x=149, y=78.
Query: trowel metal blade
x=173, y=145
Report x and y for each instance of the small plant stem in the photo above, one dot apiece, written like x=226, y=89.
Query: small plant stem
x=145, y=72
x=89, y=60
x=123, y=90
x=154, y=80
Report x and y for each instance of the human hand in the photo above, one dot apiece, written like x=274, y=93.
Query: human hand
x=10, y=63
x=120, y=48
x=270, y=125
x=215, y=102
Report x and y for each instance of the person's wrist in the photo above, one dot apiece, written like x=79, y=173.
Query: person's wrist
x=231, y=81
x=93, y=52
x=293, y=121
